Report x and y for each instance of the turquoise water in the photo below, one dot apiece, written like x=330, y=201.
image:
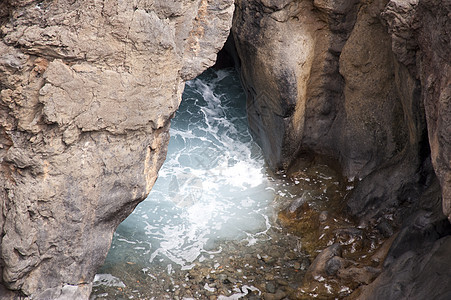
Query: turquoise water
x=212, y=185
x=209, y=228
x=212, y=188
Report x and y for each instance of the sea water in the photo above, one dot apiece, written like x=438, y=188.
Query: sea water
x=213, y=186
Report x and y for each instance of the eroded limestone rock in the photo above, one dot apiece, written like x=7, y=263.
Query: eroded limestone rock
x=321, y=76
x=87, y=92
x=383, y=139
x=420, y=32
x=434, y=41
x=367, y=82
x=289, y=63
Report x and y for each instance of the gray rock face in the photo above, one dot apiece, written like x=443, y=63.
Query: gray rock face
x=434, y=41
x=417, y=265
x=87, y=92
x=289, y=62
x=414, y=276
x=420, y=33
x=367, y=82
x=322, y=77
x=310, y=75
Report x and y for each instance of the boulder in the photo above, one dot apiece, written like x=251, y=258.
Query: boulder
x=425, y=275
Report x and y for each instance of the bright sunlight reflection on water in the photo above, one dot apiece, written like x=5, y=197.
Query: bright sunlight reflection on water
x=212, y=186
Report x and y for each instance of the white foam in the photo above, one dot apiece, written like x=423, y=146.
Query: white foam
x=107, y=280
x=212, y=185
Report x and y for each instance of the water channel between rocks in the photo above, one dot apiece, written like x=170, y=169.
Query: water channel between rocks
x=210, y=228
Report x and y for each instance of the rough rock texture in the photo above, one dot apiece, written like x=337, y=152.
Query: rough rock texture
x=415, y=276
x=367, y=82
x=289, y=62
x=434, y=41
x=333, y=85
x=421, y=40
x=87, y=92
x=418, y=264
x=87, y=89
x=384, y=134
x=374, y=129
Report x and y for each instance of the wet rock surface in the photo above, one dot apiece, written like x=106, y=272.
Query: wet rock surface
x=373, y=93
x=266, y=270
x=317, y=252
x=416, y=250
x=271, y=267
x=414, y=276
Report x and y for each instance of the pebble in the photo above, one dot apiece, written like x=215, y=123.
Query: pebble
x=290, y=255
x=282, y=282
x=269, y=276
x=323, y=216
x=232, y=280
x=271, y=287
x=236, y=266
x=275, y=296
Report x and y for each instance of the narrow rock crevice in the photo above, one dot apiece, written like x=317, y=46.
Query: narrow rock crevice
x=87, y=91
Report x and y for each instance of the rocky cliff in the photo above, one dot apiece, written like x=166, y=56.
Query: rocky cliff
x=434, y=69
x=87, y=92
x=332, y=86
x=368, y=83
